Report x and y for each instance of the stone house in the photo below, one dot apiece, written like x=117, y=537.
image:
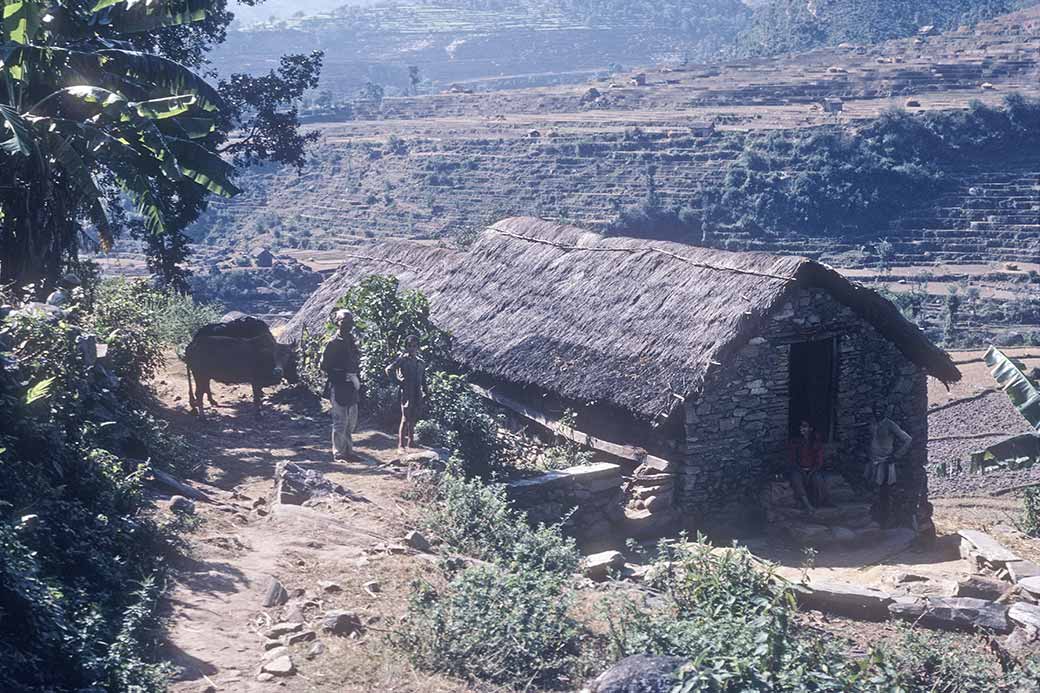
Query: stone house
x=262, y=257
x=705, y=358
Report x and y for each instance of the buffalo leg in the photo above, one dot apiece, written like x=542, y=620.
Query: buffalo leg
x=201, y=392
x=258, y=399
x=213, y=402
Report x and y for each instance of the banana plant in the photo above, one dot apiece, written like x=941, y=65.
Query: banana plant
x=1022, y=391
x=82, y=115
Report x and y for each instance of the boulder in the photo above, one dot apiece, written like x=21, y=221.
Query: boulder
x=296, y=485
x=953, y=613
x=418, y=542
x=280, y=629
x=283, y=666
x=329, y=587
x=638, y=674
x=274, y=593
x=845, y=600
x=1030, y=585
x=1020, y=570
x=1027, y=615
x=1023, y=642
x=276, y=653
x=315, y=650
x=180, y=504
x=341, y=623
x=598, y=566
x=981, y=587
x=302, y=636
x=988, y=549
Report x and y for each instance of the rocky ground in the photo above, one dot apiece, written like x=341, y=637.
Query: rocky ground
x=303, y=597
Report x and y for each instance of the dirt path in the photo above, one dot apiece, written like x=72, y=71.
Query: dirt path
x=216, y=617
x=326, y=556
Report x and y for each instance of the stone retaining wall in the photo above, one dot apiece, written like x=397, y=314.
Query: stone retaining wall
x=593, y=491
x=737, y=431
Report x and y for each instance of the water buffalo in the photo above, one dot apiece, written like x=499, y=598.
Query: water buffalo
x=240, y=351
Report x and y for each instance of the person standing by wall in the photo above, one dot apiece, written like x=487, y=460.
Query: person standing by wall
x=881, y=468
x=341, y=362
x=409, y=370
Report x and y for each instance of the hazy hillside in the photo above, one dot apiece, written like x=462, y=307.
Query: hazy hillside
x=282, y=9
x=783, y=26
x=487, y=45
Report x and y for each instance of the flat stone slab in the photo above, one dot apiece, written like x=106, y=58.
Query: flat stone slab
x=1031, y=585
x=1020, y=570
x=599, y=565
x=1025, y=615
x=953, y=613
x=987, y=548
x=845, y=600
x=584, y=474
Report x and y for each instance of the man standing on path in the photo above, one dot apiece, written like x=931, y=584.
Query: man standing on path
x=341, y=362
x=881, y=469
x=409, y=370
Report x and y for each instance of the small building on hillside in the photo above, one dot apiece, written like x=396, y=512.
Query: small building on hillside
x=705, y=358
x=263, y=257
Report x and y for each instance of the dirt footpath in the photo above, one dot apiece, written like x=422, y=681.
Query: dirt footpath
x=324, y=556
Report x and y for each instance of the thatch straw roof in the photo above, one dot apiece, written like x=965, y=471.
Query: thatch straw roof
x=630, y=322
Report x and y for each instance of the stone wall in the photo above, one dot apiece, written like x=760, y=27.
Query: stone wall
x=737, y=430
x=593, y=491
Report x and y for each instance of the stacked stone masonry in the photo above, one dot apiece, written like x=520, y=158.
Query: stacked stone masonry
x=593, y=492
x=737, y=430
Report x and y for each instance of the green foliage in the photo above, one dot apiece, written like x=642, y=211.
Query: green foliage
x=734, y=620
x=466, y=426
x=81, y=556
x=840, y=183
x=1023, y=392
x=1030, y=522
x=478, y=520
x=495, y=625
x=385, y=315
x=507, y=621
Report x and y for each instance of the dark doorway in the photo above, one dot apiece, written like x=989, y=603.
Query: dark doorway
x=813, y=386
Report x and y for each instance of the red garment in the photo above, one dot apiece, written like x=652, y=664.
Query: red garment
x=806, y=454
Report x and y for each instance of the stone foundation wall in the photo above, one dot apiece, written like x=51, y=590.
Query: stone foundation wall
x=593, y=491
x=737, y=431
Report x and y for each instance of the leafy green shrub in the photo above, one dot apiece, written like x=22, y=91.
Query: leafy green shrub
x=469, y=430
x=80, y=553
x=385, y=315
x=1030, y=522
x=495, y=625
x=137, y=320
x=730, y=616
x=478, y=520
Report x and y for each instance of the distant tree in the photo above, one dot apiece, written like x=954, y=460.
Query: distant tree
x=372, y=92
x=414, y=78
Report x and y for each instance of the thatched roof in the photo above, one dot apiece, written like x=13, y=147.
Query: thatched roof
x=630, y=322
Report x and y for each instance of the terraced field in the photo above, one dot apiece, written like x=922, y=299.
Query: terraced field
x=439, y=165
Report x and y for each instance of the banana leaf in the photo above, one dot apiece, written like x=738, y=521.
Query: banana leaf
x=1018, y=387
x=20, y=19
x=1021, y=447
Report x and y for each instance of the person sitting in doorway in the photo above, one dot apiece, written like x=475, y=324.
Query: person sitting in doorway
x=881, y=467
x=805, y=468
